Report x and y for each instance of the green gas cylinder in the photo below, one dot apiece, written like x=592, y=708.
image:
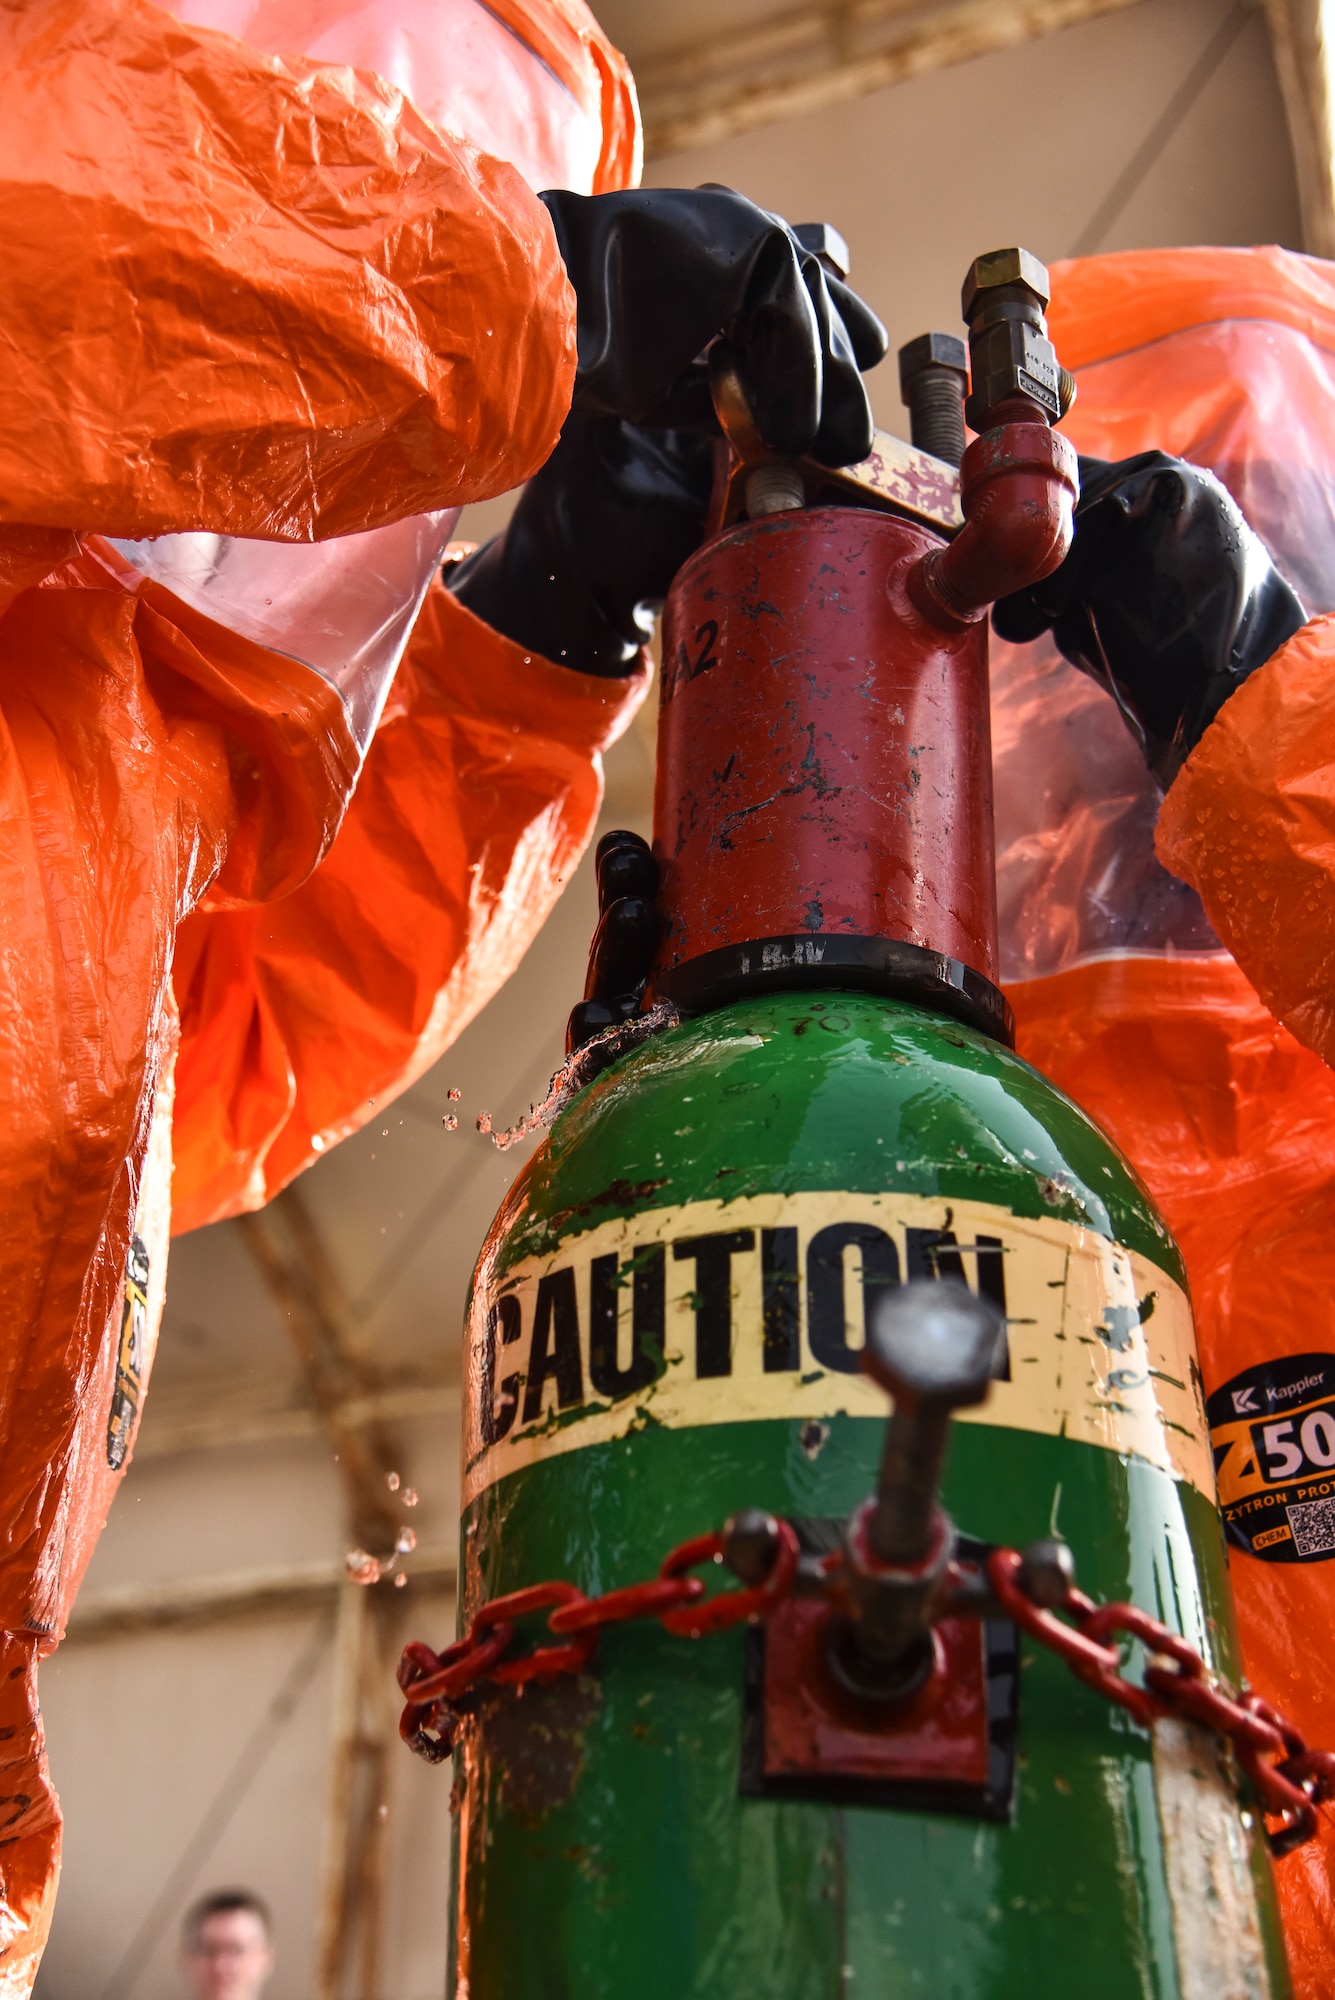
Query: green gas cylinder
x=660, y=1334
x=666, y=1322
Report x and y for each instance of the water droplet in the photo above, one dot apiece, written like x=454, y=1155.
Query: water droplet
x=405, y=1541
x=451, y=1123
x=400, y=1580
x=453, y=1094
x=392, y=1481
x=579, y=1068
x=484, y=1121
x=317, y=1142
x=410, y=1496
x=362, y=1567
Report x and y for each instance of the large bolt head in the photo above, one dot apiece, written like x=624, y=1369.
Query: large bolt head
x=931, y=1343
x=996, y=268
x=931, y=350
x=823, y=240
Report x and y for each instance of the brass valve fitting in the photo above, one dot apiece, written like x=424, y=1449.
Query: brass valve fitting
x=1012, y=361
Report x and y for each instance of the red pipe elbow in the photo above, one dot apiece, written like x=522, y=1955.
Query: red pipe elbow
x=1018, y=488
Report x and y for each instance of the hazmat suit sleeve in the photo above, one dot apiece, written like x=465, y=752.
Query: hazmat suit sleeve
x=252, y=296
x=477, y=797
x=1250, y=823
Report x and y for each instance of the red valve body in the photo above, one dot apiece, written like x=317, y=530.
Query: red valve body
x=823, y=812
x=824, y=763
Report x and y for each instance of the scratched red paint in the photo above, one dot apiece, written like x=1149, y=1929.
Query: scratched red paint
x=825, y=757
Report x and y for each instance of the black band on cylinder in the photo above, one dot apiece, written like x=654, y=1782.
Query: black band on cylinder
x=866, y=964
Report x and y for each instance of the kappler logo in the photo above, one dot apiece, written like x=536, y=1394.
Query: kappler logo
x=1272, y=1430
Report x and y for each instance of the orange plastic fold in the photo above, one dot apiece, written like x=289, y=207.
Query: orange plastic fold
x=1250, y=823
x=1232, y=1124
x=564, y=34
x=534, y=81
x=478, y=796
x=98, y=856
x=320, y=313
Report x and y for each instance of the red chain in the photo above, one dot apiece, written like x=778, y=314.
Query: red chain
x=434, y=1682
x=1289, y=1790
x=1290, y=1780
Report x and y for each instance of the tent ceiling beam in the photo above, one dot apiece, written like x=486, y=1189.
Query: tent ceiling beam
x=806, y=58
x=1303, y=61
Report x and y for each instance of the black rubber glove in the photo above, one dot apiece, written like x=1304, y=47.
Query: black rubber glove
x=603, y=528
x=593, y=545
x=1167, y=598
x=658, y=272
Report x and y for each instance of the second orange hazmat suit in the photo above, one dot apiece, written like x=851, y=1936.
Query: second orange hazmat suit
x=1192, y=1013
x=247, y=295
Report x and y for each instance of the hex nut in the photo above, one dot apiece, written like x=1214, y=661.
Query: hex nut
x=750, y=1544
x=1012, y=357
x=931, y=350
x=1047, y=1572
x=1004, y=267
x=823, y=240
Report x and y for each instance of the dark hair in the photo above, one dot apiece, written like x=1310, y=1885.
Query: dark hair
x=220, y=1904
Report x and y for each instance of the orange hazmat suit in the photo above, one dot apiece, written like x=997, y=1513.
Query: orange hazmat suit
x=252, y=297
x=1190, y=1012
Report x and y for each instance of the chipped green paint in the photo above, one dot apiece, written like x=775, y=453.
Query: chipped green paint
x=633, y=1867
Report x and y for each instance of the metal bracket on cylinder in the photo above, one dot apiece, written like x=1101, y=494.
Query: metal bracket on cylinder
x=895, y=478
x=932, y=1346
x=891, y=1676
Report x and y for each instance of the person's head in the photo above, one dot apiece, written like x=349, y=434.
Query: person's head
x=227, y=1946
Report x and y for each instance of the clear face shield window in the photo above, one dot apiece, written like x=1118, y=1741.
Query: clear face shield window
x=344, y=608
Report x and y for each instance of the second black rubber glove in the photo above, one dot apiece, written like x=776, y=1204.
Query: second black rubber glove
x=1167, y=598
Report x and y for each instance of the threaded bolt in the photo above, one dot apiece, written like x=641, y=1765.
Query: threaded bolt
x=774, y=489
x=933, y=376
x=936, y=415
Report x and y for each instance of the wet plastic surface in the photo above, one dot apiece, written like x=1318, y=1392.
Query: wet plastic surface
x=344, y=608
x=329, y=350
x=464, y=826
x=542, y=90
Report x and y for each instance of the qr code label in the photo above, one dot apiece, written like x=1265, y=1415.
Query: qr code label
x=1313, y=1527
